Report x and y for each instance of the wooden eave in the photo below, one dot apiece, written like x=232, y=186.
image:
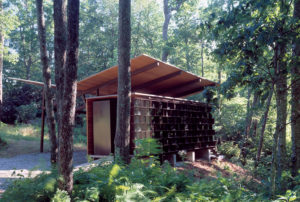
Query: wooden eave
x=148, y=75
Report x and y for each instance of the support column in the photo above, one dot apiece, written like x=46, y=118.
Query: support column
x=190, y=156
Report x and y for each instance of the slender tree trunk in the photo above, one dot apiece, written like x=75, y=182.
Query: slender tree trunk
x=263, y=126
x=60, y=40
x=281, y=102
x=47, y=80
x=279, y=146
x=167, y=14
x=187, y=55
x=122, y=137
x=1, y=63
x=253, y=123
x=69, y=99
x=248, y=115
x=295, y=110
x=250, y=111
x=219, y=93
x=202, y=58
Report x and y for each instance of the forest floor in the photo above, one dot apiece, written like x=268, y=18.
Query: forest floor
x=205, y=169
x=25, y=139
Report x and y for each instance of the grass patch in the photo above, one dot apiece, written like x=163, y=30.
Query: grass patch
x=20, y=132
x=25, y=138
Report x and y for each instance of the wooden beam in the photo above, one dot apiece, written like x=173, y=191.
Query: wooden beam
x=115, y=80
x=37, y=83
x=177, y=88
x=188, y=92
x=156, y=81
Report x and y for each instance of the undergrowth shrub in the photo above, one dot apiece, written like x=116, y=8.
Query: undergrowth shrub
x=26, y=112
x=3, y=143
x=229, y=149
x=144, y=179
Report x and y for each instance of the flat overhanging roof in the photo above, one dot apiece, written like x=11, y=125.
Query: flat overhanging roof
x=148, y=75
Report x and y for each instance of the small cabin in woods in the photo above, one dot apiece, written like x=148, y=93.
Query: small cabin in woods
x=158, y=109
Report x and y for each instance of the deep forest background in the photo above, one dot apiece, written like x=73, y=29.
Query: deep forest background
x=246, y=46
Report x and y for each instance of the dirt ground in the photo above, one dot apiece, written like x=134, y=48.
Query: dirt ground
x=204, y=169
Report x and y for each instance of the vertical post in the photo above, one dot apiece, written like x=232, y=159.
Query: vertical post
x=98, y=92
x=191, y=156
x=43, y=123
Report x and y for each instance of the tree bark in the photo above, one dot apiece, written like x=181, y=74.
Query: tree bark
x=202, y=59
x=69, y=99
x=295, y=109
x=47, y=80
x=60, y=40
x=167, y=14
x=122, y=137
x=279, y=145
x=263, y=126
x=248, y=115
x=1, y=63
x=281, y=103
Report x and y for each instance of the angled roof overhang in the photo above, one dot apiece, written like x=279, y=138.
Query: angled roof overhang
x=148, y=75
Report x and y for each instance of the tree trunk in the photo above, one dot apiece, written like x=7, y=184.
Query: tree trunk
x=263, y=126
x=281, y=103
x=1, y=64
x=187, y=55
x=69, y=99
x=248, y=115
x=279, y=146
x=250, y=111
x=122, y=137
x=47, y=80
x=60, y=22
x=202, y=59
x=295, y=110
x=167, y=14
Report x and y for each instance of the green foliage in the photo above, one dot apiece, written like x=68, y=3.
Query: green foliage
x=26, y=112
x=229, y=149
x=3, y=143
x=40, y=188
x=26, y=97
x=61, y=196
x=147, y=147
x=139, y=181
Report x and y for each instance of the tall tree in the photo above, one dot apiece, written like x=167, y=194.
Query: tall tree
x=1, y=60
x=295, y=80
x=263, y=126
x=47, y=79
x=60, y=40
x=122, y=138
x=169, y=7
x=69, y=98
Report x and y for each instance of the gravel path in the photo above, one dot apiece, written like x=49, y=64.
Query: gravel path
x=30, y=165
